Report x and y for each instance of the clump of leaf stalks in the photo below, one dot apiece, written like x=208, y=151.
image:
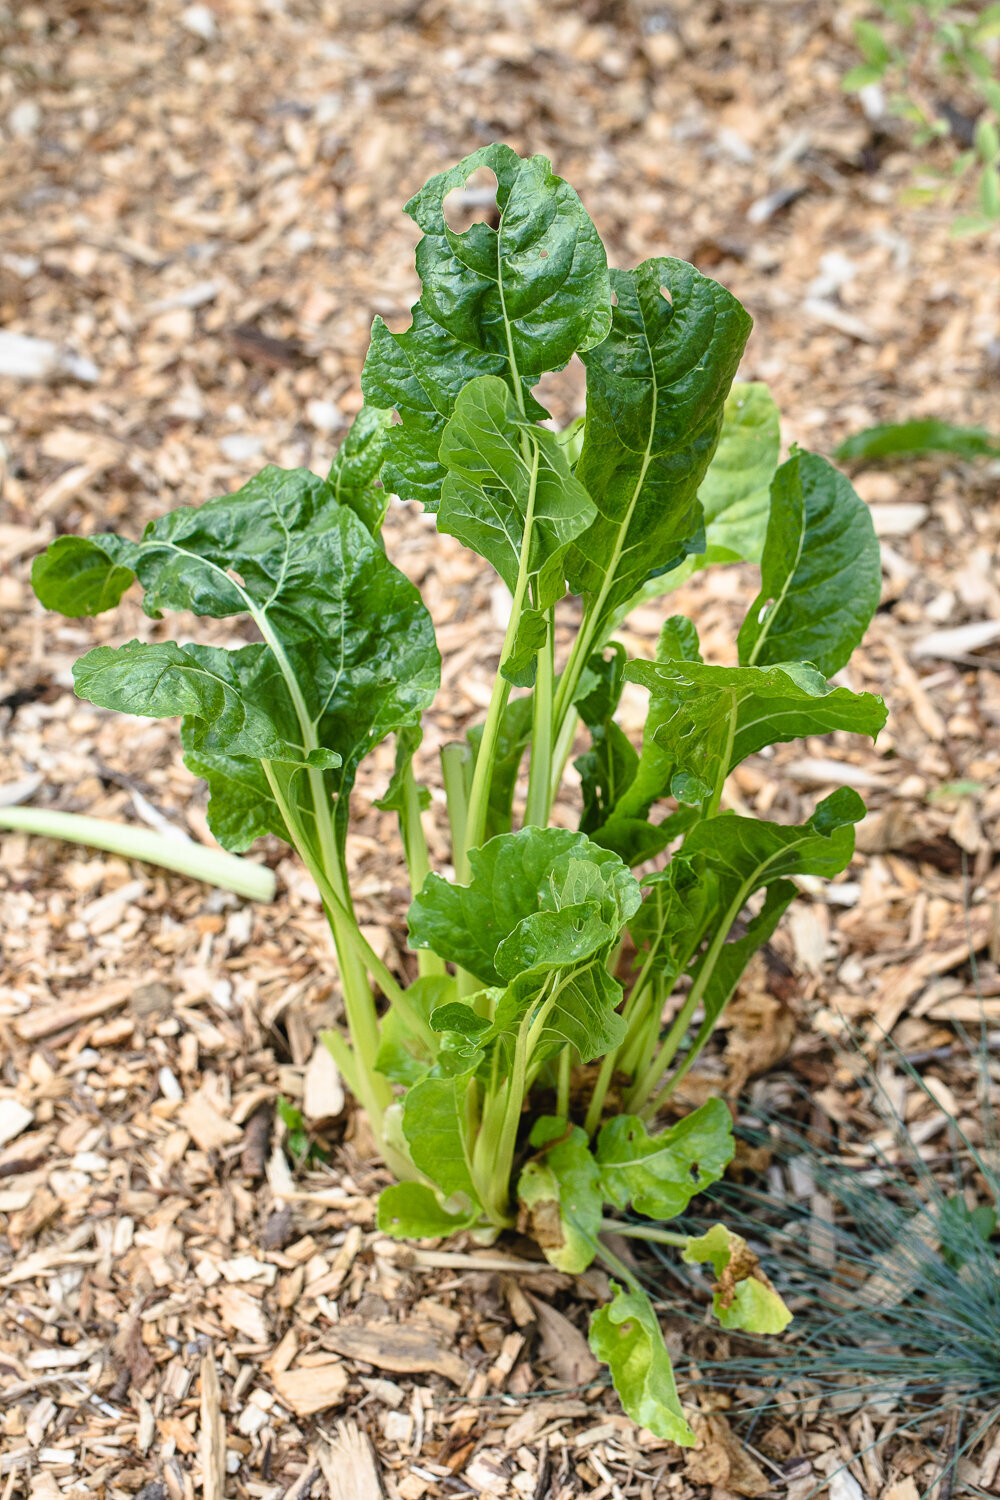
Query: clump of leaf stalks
x=517, y=1079
x=886, y=1249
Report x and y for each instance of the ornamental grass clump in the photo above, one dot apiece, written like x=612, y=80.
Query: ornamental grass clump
x=518, y=1079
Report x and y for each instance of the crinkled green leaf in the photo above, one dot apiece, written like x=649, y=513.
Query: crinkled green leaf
x=519, y=666
x=752, y=853
x=559, y=1190
x=659, y=1175
x=511, y=302
x=348, y=655
x=500, y=467
x=821, y=574
x=515, y=877
x=704, y=720
x=355, y=469
x=626, y=1336
x=735, y=492
x=583, y=1012
x=412, y=1211
x=78, y=576
x=743, y=1297
x=534, y=289
x=656, y=388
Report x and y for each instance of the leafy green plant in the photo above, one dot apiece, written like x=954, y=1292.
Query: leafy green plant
x=515, y=1079
x=923, y=50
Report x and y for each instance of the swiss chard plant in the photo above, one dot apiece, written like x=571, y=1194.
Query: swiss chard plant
x=568, y=980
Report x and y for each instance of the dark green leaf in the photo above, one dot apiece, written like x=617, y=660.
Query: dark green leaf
x=656, y=389
x=560, y=1191
x=704, y=720
x=511, y=302
x=627, y=1337
x=821, y=575
x=501, y=467
x=659, y=1175
x=78, y=575
x=355, y=470
x=912, y=439
x=733, y=956
x=751, y=853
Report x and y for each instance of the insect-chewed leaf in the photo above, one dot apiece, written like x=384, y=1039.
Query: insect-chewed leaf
x=500, y=466
x=626, y=1336
x=821, y=574
x=513, y=302
x=659, y=1175
x=656, y=388
x=517, y=877
x=559, y=1191
x=412, y=1211
x=743, y=1297
x=355, y=469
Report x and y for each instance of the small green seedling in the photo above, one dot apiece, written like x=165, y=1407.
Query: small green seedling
x=519, y=1078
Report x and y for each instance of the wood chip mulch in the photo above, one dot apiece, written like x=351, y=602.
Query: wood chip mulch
x=200, y=209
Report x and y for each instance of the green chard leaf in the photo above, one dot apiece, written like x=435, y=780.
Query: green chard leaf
x=743, y=1297
x=821, y=574
x=438, y=1128
x=404, y=1057
x=542, y=891
x=704, y=720
x=626, y=1336
x=659, y=1175
x=413, y=1211
x=560, y=1194
x=355, y=469
x=512, y=302
x=735, y=492
x=750, y=853
x=656, y=389
x=510, y=493
x=348, y=654
x=79, y=575
x=927, y=435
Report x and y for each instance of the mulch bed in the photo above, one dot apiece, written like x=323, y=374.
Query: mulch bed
x=203, y=201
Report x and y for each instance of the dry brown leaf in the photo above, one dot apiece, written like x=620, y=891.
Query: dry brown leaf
x=719, y=1458
x=563, y=1346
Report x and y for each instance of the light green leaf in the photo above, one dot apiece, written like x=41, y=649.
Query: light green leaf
x=821, y=575
x=656, y=389
x=583, y=1011
x=412, y=1211
x=751, y=853
x=437, y=1125
x=659, y=1175
x=403, y=1056
x=626, y=1336
x=559, y=1190
x=515, y=878
x=500, y=467
x=743, y=1296
x=871, y=43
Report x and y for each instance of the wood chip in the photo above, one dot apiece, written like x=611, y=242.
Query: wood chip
x=314, y=1389
x=349, y=1466
x=393, y=1346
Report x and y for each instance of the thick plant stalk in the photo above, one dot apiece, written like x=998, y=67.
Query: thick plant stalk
x=226, y=871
